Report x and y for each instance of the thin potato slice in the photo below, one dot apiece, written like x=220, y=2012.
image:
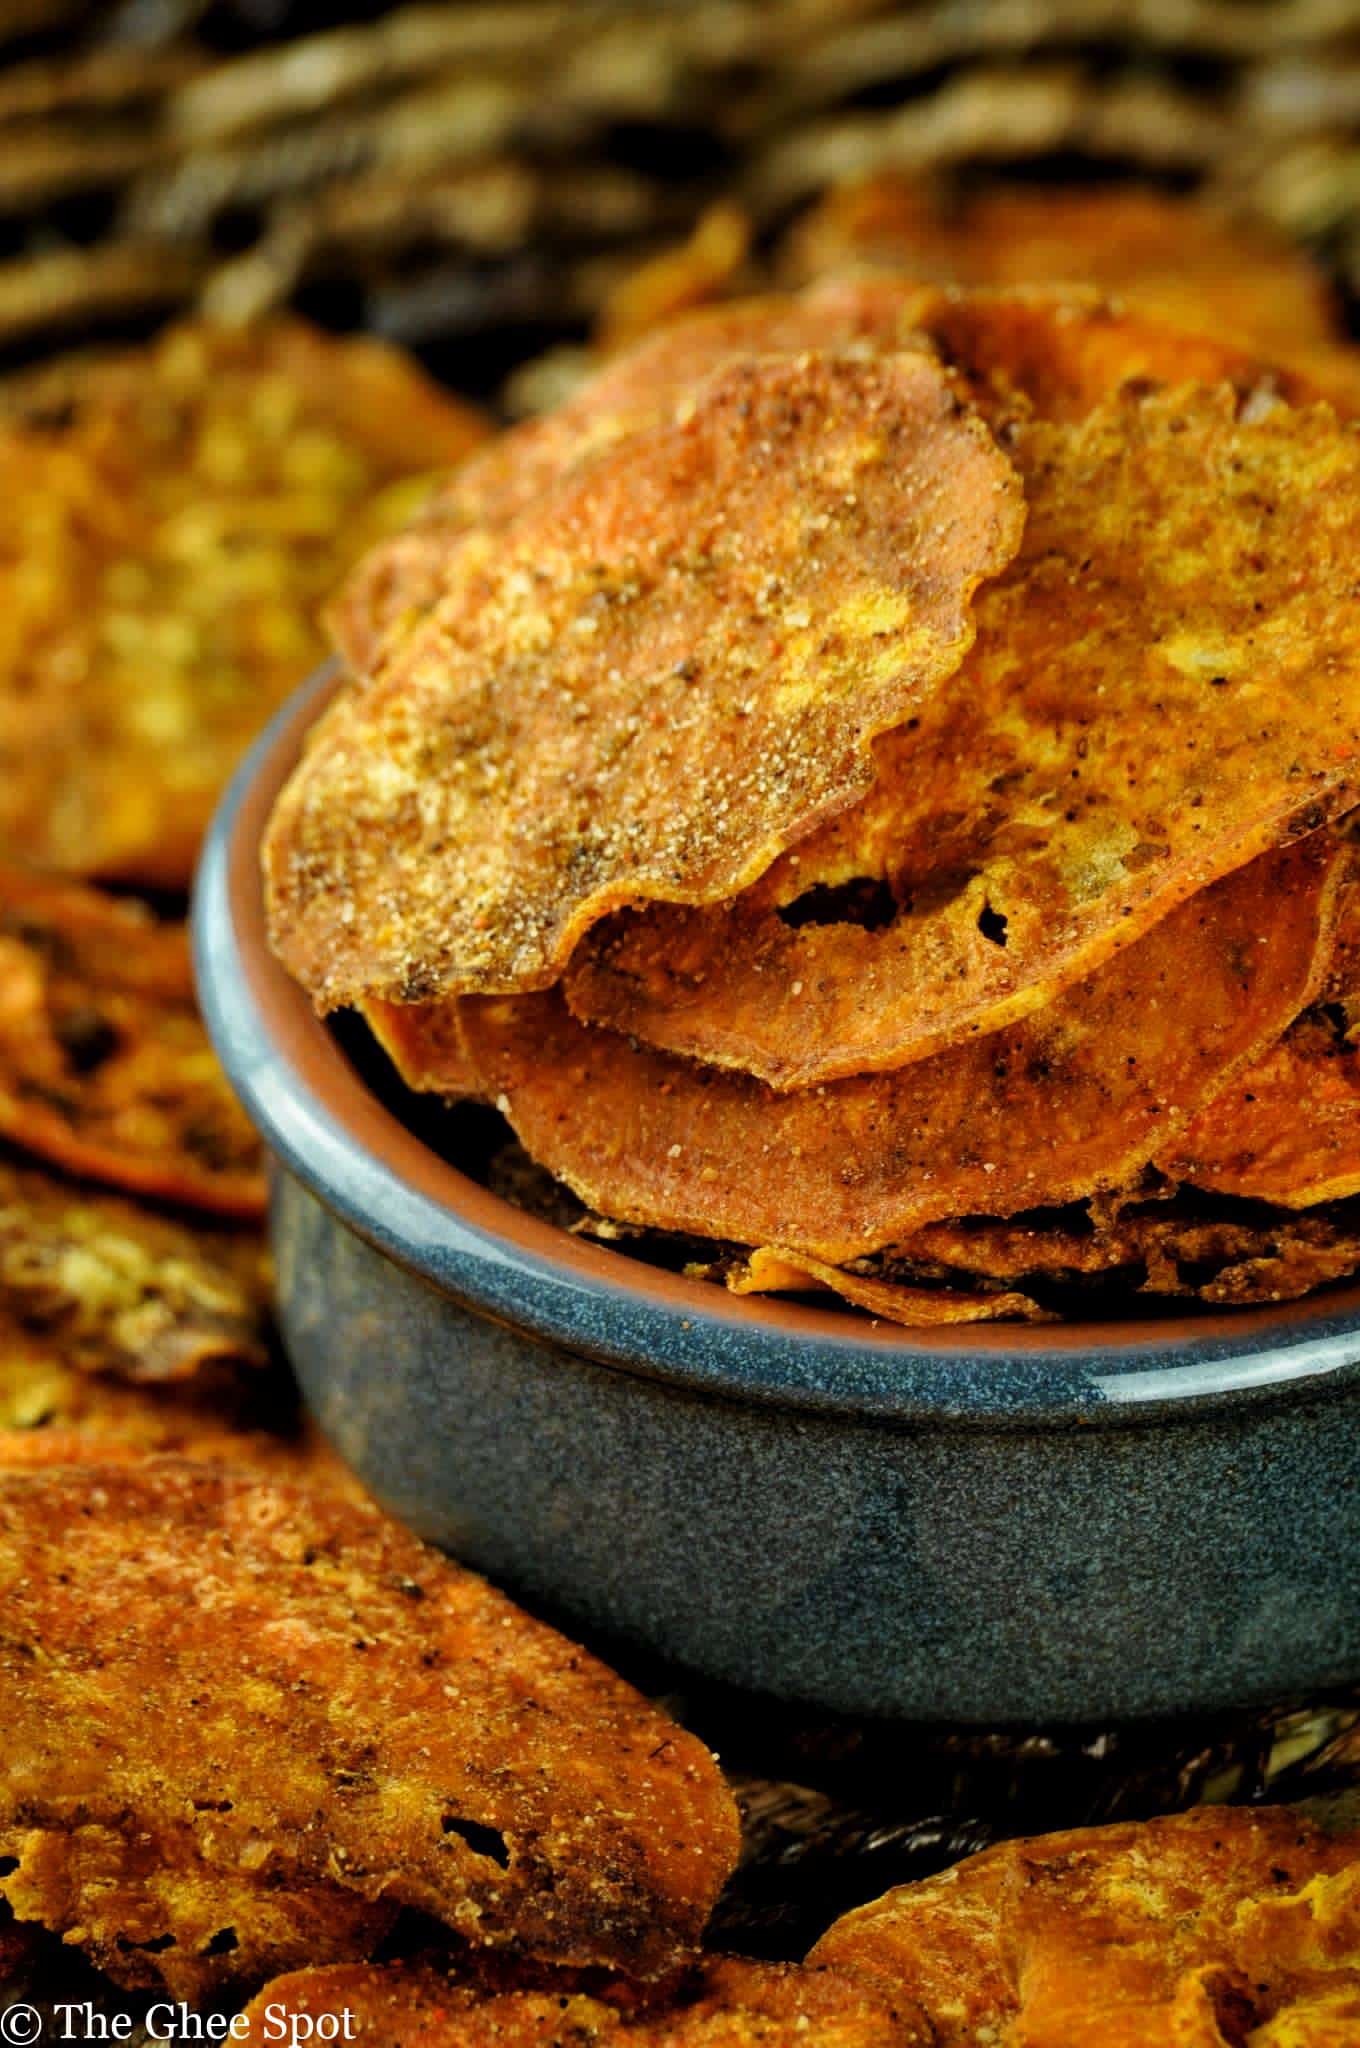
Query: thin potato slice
x=126, y=1291
x=1179, y=258
x=399, y=581
x=419, y=1036
x=1073, y=1099
x=1157, y=693
x=1285, y=1130
x=660, y=678
x=165, y=544
x=414, y=1739
x=1195, y=1928
x=772, y=1270
x=722, y=2002
x=105, y=1068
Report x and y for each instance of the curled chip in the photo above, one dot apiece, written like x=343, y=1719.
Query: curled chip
x=1074, y=1098
x=399, y=581
x=1169, y=1248
x=123, y=1290
x=105, y=1068
x=771, y=1270
x=164, y=550
x=649, y=686
x=420, y=1038
x=1222, y=1924
x=1164, y=683
x=721, y=2002
x=415, y=1740
x=1182, y=259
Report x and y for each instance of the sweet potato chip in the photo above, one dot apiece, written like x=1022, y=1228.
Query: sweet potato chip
x=124, y=1290
x=649, y=686
x=1074, y=1098
x=414, y=1739
x=1180, y=258
x=1196, y=1929
x=1287, y=1128
x=772, y=1270
x=164, y=546
x=1159, y=690
x=105, y=1068
x=1164, y=1248
x=1065, y=350
x=398, y=582
x=419, y=1037
x=722, y=2002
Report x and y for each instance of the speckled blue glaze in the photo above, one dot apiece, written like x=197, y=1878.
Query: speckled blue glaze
x=989, y=1526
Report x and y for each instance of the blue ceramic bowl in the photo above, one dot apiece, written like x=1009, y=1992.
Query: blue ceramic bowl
x=997, y=1526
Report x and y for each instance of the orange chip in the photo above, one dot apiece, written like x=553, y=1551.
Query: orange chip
x=1180, y=258
x=1074, y=1098
x=105, y=1068
x=722, y=2002
x=1287, y=1127
x=400, y=581
x=164, y=547
x=649, y=686
x=772, y=1270
x=1164, y=683
x=414, y=1739
x=1199, y=1928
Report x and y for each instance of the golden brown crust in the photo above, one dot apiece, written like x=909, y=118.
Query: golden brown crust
x=721, y=2002
x=648, y=686
x=414, y=1740
x=105, y=1068
x=1154, y=696
x=1192, y=1929
x=1073, y=1098
x=165, y=542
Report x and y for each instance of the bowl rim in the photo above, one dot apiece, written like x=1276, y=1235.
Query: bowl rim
x=331, y=1132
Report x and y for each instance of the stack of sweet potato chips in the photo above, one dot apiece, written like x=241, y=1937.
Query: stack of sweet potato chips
x=868, y=782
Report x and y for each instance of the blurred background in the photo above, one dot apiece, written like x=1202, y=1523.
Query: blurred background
x=482, y=182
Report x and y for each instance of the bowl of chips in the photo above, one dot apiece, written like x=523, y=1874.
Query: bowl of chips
x=831, y=857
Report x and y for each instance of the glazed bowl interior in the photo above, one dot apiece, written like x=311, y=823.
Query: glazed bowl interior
x=326, y=1125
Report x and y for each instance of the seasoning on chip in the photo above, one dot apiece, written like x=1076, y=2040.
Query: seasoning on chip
x=649, y=686
x=414, y=1740
x=398, y=582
